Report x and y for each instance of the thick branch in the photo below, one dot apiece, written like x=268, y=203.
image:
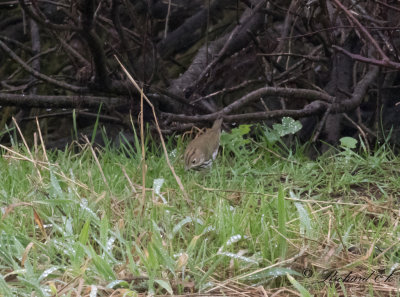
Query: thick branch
x=274, y=91
x=115, y=16
x=42, y=101
x=99, y=59
x=95, y=45
x=359, y=92
x=314, y=108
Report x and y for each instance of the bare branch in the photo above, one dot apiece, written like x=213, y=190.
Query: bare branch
x=315, y=107
x=276, y=91
x=42, y=101
x=382, y=63
x=39, y=75
x=45, y=22
x=359, y=92
x=307, y=57
x=95, y=45
x=362, y=29
x=228, y=43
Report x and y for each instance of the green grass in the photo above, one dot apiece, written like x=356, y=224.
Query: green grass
x=253, y=219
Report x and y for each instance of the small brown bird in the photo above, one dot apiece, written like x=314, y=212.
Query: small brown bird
x=202, y=151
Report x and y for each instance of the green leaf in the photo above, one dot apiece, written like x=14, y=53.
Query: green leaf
x=210, y=270
x=104, y=229
x=348, y=142
x=305, y=221
x=96, y=124
x=4, y=289
x=55, y=185
x=165, y=285
x=74, y=124
x=160, y=251
x=181, y=224
x=288, y=126
x=235, y=140
x=272, y=273
x=303, y=291
x=101, y=265
x=271, y=135
x=118, y=284
x=84, y=235
x=236, y=136
x=282, y=222
x=244, y=129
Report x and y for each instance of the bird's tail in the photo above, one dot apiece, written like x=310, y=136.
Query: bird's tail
x=217, y=124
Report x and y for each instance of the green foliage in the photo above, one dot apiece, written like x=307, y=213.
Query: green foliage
x=348, y=142
x=84, y=235
x=96, y=124
x=282, y=223
x=74, y=124
x=288, y=126
x=272, y=273
x=247, y=216
x=303, y=291
x=236, y=140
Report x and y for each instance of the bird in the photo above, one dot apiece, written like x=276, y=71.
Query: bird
x=202, y=151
